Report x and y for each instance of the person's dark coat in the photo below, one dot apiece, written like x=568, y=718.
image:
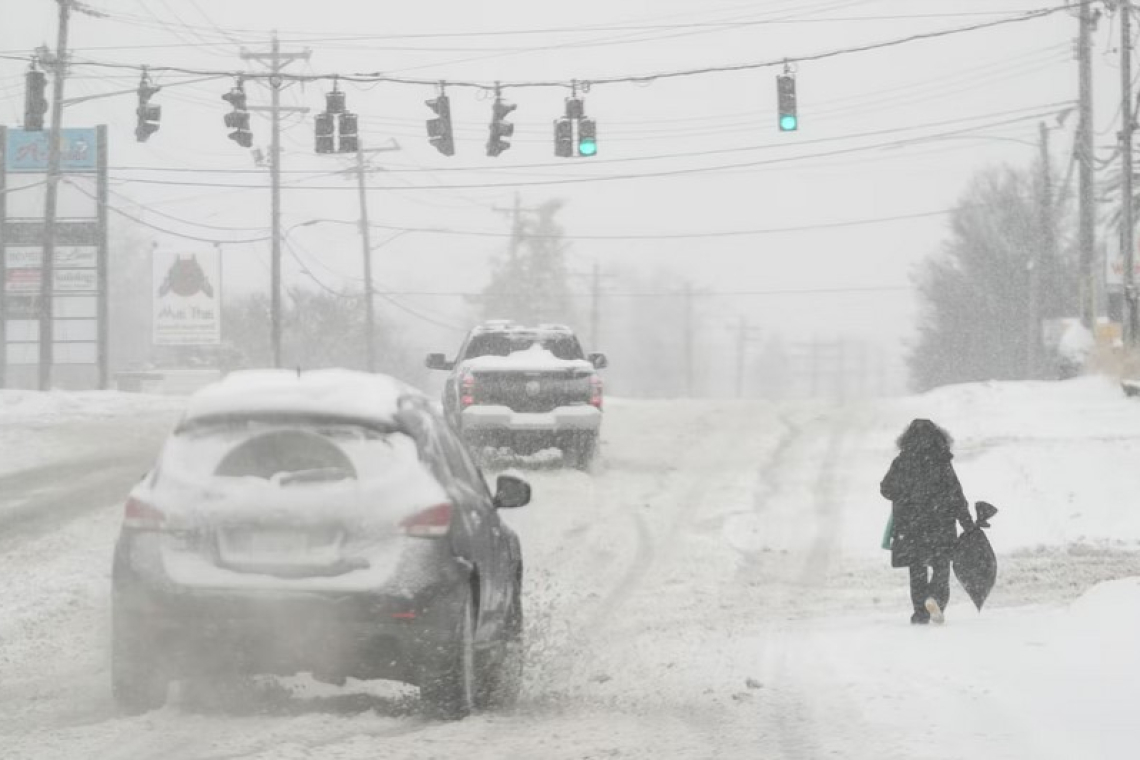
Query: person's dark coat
x=926, y=497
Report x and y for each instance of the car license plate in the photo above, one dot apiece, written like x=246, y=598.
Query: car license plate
x=275, y=543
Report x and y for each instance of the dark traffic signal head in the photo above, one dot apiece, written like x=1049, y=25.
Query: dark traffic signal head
x=238, y=119
x=349, y=139
x=324, y=133
x=148, y=115
x=236, y=98
x=439, y=128
x=786, y=103
x=35, y=100
x=500, y=128
x=563, y=138
x=334, y=102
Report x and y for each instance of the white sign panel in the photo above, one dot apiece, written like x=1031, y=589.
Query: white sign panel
x=28, y=257
x=187, y=298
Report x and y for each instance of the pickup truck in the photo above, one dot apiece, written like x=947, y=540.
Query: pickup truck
x=526, y=389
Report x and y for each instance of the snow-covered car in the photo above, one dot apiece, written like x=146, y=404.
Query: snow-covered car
x=326, y=522
x=525, y=388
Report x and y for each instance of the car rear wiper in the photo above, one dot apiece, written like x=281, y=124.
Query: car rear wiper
x=315, y=475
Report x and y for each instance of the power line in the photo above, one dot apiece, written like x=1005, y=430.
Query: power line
x=621, y=177
x=586, y=83
x=1037, y=112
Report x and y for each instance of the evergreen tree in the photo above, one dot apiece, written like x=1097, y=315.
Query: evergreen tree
x=531, y=283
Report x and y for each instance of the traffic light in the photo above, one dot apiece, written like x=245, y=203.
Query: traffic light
x=35, y=100
x=563, y=138
x=349, y=139
x=325, y=129
x=238, y=118
x=148, y=115
x=587, y=137
x=786, y=103
x=500, y=128
x=564, y=131
x=439, y=128
x=334, y=101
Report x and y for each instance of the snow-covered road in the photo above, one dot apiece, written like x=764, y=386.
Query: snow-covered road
x=714, y=590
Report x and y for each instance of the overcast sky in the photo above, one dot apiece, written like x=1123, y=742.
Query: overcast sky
x=994, y=83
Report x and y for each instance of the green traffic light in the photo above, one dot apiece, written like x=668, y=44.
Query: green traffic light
x=788, y=123
x=587, y=147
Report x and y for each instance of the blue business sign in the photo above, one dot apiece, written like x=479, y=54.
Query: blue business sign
x=28, y=151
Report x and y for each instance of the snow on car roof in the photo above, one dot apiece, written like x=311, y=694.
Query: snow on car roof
x=533, y=358
x=332, y=392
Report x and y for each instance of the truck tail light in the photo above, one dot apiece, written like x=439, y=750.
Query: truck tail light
x=433, y=522
x=140, y=515
x=596, y=391
x=467, y=390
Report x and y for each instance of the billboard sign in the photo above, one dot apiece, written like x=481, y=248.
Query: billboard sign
x=187, y=298
x=28, y=151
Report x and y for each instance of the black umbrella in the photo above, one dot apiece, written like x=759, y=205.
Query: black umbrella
x=975, y=565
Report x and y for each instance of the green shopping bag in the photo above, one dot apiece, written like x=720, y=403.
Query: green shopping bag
x=888, y=530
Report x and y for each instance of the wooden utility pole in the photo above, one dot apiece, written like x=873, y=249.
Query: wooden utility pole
x=51, y=196
x=595, y=304
x=1046, y=244
x=1085, y=151
x=366, y=242
x=689, y=327
x=1128, y=232
x=276, y=61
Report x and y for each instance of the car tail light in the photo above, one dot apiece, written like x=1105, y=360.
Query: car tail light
x=596, y=391
x=467, y=390
x=140, y=515
x=433, y=522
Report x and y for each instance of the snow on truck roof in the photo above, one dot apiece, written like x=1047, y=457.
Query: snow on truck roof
x=325, y=392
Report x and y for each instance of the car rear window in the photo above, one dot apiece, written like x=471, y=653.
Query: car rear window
x=505, y=344
x=290, y=452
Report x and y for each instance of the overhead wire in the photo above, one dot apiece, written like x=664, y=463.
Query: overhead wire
x=598, y=81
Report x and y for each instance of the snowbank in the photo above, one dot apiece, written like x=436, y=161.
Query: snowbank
x=1058, y=459
x=32, y=407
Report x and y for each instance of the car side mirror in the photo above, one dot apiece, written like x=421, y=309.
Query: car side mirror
x=438, y=361
x=511, y=492
x=598, y=360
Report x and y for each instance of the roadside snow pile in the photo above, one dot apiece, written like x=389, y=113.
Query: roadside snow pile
x=1058, y=459
x=24, y=407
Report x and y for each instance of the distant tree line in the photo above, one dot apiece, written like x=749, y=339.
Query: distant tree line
x=975, y=296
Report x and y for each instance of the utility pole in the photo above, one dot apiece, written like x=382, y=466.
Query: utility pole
x=1045, y=243
x=744, y=336
x=366, y=241
x=1085, y=150
x=55, y=137
x=1127, y=233
x=595, y=304
x=276, y=61
x=688, y=339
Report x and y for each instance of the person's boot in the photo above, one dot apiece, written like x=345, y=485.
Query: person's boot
x=920, y=617
x=934, y=611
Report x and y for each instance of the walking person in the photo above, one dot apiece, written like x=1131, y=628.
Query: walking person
x=926, y=500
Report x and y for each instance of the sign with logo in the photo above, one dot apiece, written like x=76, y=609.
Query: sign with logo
x=28, y=151
x=27, y=257
x=187, y=298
